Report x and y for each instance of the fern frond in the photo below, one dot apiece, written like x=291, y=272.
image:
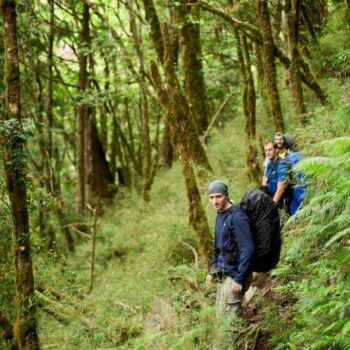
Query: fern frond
x=337, y=147
x=337, y=237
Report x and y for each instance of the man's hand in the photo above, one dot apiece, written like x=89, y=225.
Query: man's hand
x=236, y=287
x=209, y=281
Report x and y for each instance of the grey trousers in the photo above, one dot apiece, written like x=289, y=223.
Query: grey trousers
x=227, y=302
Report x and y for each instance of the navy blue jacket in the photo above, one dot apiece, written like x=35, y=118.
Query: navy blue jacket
x=239, y=251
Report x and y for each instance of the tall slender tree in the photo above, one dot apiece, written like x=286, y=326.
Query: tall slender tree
x=144, y=110
x=194, y=147
x=248, y=99
x=157, y=39
x=172, y=95
x=82, y=113
x=191, y=49
x=292, y=11
x=25, y=335
x=269, y=64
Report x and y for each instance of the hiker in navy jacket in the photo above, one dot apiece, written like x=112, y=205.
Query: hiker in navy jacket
x=233, y=251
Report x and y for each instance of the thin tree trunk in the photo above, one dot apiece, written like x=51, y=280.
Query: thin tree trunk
x=114, y=147
x=103, y=128
x=188, y=19
x=167, y=147
x=130, y=134
x=248, y=105
x=155, y=33
x=312, y=82
x=145, y=133
x=157, y=39
x=82, y=115
x=308, y=23
x=103, y=113
x=44, y=162
x=261, y=79
x=277, y=20
x=178, y=124
x=250, y=99
x=269, y=65
x=193, y=145
x=15, y=169
x=60, y=208
x=49, y=103
x=100, y=178
x=153, y=20
x=292, y=11
x=118, y=163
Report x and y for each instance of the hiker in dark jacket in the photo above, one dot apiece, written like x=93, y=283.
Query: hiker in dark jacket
x=233, y=251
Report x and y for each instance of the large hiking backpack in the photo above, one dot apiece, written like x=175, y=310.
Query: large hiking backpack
x=265, y=226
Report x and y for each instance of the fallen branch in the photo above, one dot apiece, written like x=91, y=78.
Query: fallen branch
x=218, y=112
x=195, y=254
x=81, y=232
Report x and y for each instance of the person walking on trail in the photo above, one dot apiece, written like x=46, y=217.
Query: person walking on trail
x=233, y=251
x=274, y=179
x=280, y=141
x=283, y=149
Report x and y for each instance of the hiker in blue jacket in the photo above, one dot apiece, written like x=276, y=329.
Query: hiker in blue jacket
x=233, y=251
x=299, y=186
x=274, y=178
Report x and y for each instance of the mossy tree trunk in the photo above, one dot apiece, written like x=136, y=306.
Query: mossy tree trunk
x=292, y=11
x=99, y=176
x=25, y=329
x=157, y=39
x=146, y=158
x=269, y=65
x=261, y=78
x=174, y=98
x=130, y=146
x=194, y=148
x=82, y=113
x=277, y=16
x=115, y=148
x=191, y=50
x=153, y=20
x=43, y=167
x=167, y=147
x=308, y=23
x=248, y=98
x=119, y=164
x=49, y=103
x=103, y=113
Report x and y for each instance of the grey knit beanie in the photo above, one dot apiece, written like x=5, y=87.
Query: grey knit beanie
x=218, y=186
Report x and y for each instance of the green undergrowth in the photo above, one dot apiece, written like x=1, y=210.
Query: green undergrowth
x=311, y=308
x=148, y=290
x=313, y=278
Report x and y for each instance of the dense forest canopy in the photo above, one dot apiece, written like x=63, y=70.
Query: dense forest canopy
x=114, y=117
